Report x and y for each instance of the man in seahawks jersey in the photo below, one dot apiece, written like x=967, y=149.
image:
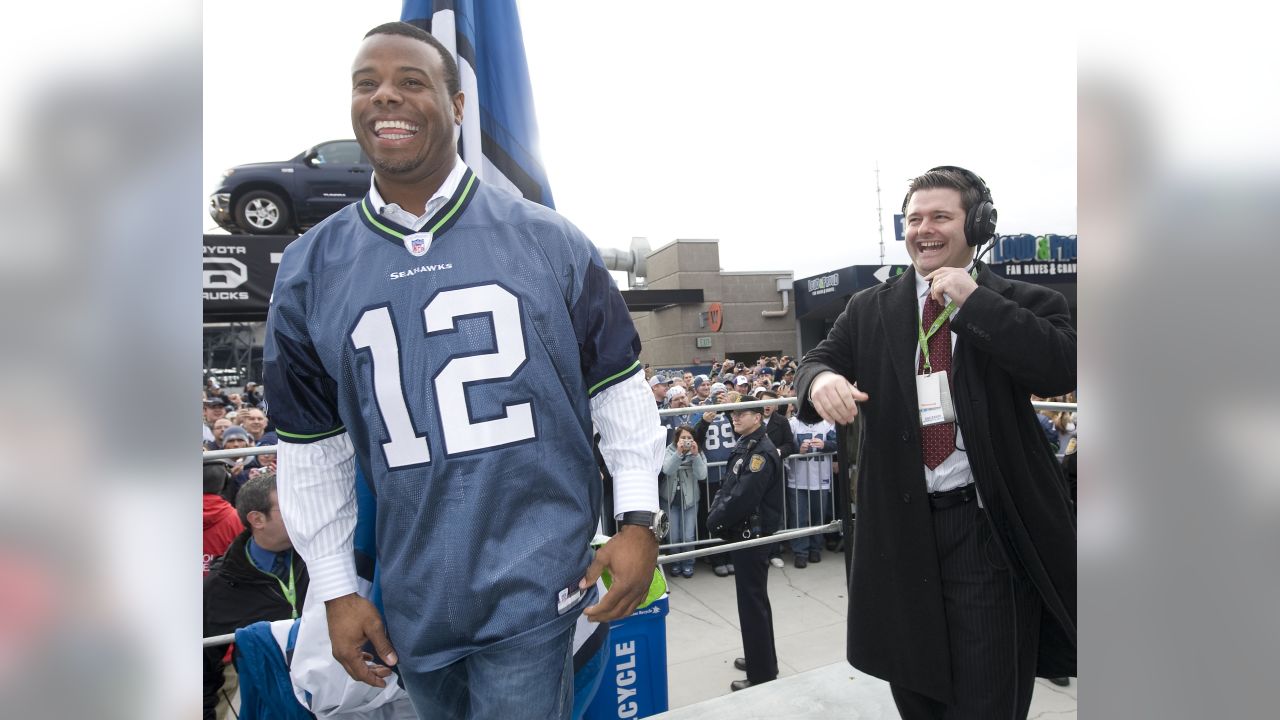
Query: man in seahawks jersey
x=714, y=434
x=457, y=344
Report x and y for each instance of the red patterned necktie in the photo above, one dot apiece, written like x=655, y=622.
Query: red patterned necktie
x=940, y=439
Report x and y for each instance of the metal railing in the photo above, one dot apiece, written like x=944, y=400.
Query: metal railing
x=717, y=545
x=833, y=526
x=707, y=546
x=692, y=410
x=713, y=546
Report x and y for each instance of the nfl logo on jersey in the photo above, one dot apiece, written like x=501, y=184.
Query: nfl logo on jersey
x=418, y=243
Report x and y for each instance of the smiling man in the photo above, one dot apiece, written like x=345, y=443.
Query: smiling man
x=458, y=343
x=964, y=576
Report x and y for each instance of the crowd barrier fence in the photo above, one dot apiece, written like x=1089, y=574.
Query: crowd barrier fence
x=703, y=546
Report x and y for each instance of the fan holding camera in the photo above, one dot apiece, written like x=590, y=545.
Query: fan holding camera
x=684, y=468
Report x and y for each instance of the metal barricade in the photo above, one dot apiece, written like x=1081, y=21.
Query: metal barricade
x=712, y=546
x=703, y=546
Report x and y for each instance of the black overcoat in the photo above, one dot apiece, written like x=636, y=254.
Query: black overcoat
x=1013, y=339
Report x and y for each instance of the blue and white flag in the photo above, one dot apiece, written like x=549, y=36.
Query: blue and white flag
x=499, y=135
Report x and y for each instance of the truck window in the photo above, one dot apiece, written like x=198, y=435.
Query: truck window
x=346, y=152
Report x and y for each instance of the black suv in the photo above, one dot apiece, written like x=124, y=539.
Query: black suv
x=280, y=197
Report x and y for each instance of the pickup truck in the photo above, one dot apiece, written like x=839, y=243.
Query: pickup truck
x=281, y=197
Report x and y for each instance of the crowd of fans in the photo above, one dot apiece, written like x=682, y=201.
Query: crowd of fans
x=250, y=570
x=231, y=421
x=1059, y=425
x=687, y=389
x=237, y=420
x=701, y=442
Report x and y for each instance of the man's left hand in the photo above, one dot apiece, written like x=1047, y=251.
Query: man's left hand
x=953, y=282
x=631, y=556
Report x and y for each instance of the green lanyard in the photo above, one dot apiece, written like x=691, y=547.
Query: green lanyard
x=945, y=315
x=290, y=591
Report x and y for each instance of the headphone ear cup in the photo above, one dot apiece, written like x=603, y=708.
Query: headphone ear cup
x=989, y=223
x=980, y=223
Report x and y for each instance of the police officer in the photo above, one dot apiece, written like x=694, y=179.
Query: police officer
x=749, y=504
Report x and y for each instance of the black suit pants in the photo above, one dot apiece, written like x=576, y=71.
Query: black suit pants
x=993, y=622
x=755, y=615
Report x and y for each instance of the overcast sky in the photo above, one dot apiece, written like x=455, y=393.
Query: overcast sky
x=730, y=120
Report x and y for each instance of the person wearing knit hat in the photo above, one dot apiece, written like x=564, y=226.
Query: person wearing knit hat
x=235, y=434
x=701, y=389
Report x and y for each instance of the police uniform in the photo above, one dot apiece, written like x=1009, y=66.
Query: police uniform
x=750, y=503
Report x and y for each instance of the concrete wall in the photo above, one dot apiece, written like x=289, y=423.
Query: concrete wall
x=669, y=334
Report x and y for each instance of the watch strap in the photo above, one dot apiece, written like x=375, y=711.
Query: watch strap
x=637, y=517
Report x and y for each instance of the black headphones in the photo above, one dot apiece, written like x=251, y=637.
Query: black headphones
x=980, y=220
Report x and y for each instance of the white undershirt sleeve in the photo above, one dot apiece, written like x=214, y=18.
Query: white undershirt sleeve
x=315, y=483
x=631, y=441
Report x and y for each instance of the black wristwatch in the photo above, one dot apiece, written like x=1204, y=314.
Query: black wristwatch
x=655, y=521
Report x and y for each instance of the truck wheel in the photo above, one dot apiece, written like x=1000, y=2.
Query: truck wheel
x=262, y=212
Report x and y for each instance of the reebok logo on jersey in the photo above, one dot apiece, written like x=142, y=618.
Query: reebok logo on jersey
x=420, y=269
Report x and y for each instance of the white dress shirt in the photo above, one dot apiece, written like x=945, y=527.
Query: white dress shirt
x=400, y=216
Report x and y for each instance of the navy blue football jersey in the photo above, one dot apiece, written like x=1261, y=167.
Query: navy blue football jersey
x=460, y=361
x=719, y=445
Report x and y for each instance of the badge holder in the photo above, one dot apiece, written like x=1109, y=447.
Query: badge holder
x=933, y=392
x=934, y=395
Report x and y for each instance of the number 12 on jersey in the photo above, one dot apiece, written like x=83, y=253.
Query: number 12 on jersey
x=375, y=333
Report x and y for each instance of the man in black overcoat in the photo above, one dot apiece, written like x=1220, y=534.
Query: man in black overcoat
x=963, y=585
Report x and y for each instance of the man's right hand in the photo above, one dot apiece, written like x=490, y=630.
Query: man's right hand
x=834, y=397
x=353, y=621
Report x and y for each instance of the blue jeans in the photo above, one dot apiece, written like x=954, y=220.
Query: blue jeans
x=684, y=529
x=807, y=508
x=531, y=677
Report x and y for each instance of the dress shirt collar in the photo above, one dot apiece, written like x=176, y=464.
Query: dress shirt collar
x=440, y=197
x=262, y=558
x=922, y=285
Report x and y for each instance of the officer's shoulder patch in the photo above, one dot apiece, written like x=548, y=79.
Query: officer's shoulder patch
x=757, y=462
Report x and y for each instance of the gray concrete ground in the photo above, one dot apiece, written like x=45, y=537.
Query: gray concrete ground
x=814, y=681
x=809, y=608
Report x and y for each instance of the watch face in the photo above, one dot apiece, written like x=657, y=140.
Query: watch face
x=661, y=525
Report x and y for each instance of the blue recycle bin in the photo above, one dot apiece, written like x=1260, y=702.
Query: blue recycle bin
x=635, y=676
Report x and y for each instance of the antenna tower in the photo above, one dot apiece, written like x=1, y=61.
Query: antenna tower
x=879, y=212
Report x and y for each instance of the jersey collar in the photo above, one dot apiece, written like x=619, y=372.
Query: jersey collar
x=444, y=218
